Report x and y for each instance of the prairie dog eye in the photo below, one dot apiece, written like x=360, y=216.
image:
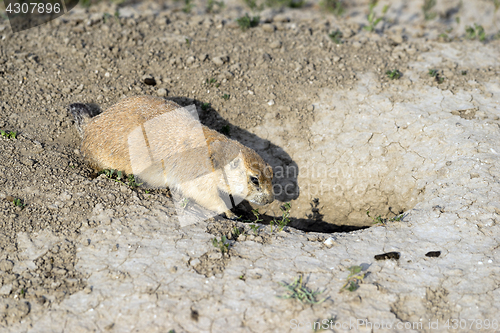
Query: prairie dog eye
x=254, y=180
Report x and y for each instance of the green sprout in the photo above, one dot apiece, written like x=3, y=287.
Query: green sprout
x=225, y=129
x=245, y=22
x=255, y=228
x=394, y=74
x=187, y=6
x=476, y=31
x=211, y=81
x=205, y=106
x=212, y=3
x=372, y=19
x=8, y=135
x=354, y=279
x=222, y=245
x=428, y=5
x=298, y=290
x=225, y=97
x=336, y=36
x=18, y=203
x=380, y=220
x=132, y=182
x=333, y=6
x=236, y=232
x=285, y=218
x=435, y=74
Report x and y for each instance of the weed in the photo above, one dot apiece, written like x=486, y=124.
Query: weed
x=236, y=232
x=336, y=36
x=211, y=5
x=245, y=22
x=185, y=202
x=222, y=245
x=285, y=218
x=464, y=72
x=394, y=74
x=206, y=106
x=225, y=130
x=443, y=37
x=242, y=277
x=496, y=3
x=255, y=228
x=476, y=31
x=225, y=97
x=252, y=4
x=373, y=20
x=354, y=279
x=188, y=42
x=380, y=220
x=187, y=6
x=435, y=74
x=335, y=7
x=131, y=182
x=428, y=5
x=256, y=213
x=18, y=203
x=8, y=135
x=298, y=290
x=285, y=3
x=211, y=81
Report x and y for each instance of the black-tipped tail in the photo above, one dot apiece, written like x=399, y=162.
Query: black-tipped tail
x=82, y=113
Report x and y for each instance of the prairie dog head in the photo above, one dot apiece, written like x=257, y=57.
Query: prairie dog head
x=250, y=178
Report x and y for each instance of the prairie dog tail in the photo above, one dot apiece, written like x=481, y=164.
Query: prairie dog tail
x=82, y=114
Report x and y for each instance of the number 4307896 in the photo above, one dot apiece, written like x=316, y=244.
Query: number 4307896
x=40, y=8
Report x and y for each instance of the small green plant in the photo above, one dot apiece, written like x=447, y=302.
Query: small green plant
x=463, y=72
x=206, y=106
x=335, y=7
x=222, y=245
x=185, y=202
x=496, y=3
x=394, y=74
x=245, y=22
x=188, y=42
x=255, y=228
x=373, y=20
x=211, y=81
x=285, y=3
x=225, y=130
x=236, y=232
x=8, y=135
x=131, y=182
x=427, y=7
x=18, y=203
x=225, y=97
x=354, y=279
x=298, y=290
x=187, y=6
x=380, y=220
x=444, y=37
x=476, y=31
x=336, y=36
x=285, y=218
x=435, y=74
x=212, y=4
x=252, y=4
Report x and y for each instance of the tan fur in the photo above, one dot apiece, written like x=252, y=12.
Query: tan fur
x=166, y=146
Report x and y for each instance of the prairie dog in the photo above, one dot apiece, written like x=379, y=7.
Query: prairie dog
x=165, y=145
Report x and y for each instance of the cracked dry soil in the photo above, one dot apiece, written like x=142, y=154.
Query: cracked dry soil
x=90, y=59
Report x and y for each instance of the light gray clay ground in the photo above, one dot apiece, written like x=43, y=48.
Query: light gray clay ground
x=88, y=254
